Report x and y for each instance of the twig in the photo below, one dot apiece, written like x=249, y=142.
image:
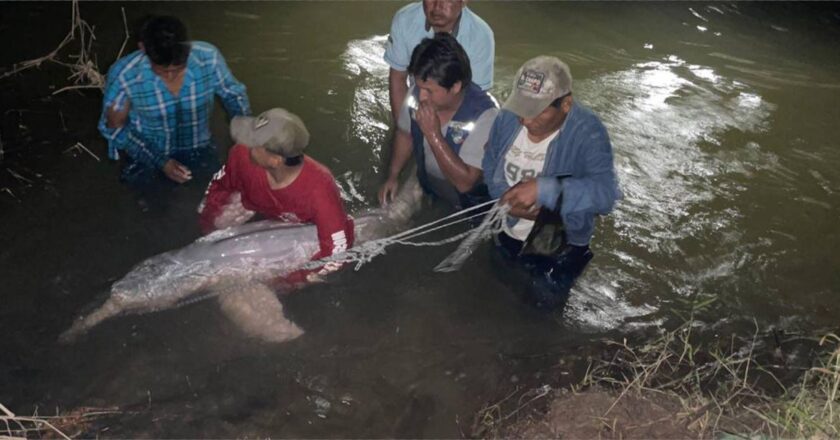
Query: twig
x=78, y=146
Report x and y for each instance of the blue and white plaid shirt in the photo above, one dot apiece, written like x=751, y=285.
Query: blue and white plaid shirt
x=159, y=124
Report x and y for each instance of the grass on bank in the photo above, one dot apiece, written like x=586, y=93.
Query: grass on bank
x=738, y=388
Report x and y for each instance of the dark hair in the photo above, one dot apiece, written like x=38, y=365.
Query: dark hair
x=293, y=161
x=164, y=39
x=557, y=103
x=441, y=59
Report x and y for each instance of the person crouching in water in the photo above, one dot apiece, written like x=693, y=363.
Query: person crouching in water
x=267, y=173
x=550, y=159
x=443, y=123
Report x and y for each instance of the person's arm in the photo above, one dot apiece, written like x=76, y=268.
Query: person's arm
x=397, y=89
x=401, y=150
x=458, y=173
x=398, y=56
x=331, y=222
x=482, y=60
x=493, y=158
x=115, y=107
x=232, y=92
x=594, y=191
x=222, y=204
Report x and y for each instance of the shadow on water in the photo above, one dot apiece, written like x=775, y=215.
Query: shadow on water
x=724, y=128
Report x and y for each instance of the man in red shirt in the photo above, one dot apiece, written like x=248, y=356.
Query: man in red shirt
x=267, y=173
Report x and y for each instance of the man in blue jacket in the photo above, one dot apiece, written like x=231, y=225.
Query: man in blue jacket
x=550, y=159
x=444, y=123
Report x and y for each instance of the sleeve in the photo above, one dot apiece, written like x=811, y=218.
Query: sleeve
x=472, y=152
x=482, y=60
x=493, y=159
x=593, y=192
x=222, y=200
x=232, y=92
x=114, y=94
x=127, y=138
x=397, y=54
x=332, y=223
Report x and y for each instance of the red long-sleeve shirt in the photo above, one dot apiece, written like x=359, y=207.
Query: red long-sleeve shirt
x=312, y=197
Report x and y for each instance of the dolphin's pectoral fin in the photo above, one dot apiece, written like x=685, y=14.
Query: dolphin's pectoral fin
x=83, y=324
x=255, y=309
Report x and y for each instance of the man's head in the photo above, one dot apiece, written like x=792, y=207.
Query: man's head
x=441, y=70
x=164, y=40
x=276, y=132
x=541, y=94
x=442, y=15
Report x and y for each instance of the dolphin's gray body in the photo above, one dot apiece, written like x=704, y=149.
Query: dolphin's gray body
x=233, y=263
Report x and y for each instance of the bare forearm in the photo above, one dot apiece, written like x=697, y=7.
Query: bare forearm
x=397, y=88
x=400, y=153
x=461, y=175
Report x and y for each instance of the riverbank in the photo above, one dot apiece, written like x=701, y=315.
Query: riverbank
x=675, y=386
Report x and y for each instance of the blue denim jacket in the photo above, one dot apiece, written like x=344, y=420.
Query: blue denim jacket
x=578, y=165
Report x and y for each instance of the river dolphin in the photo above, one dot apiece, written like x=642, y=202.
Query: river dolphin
x=233, y=264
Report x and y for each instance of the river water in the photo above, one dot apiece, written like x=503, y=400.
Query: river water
x=724, y=124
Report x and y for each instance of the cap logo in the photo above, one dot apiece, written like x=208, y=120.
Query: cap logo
x=531, y=81
x=260, y=122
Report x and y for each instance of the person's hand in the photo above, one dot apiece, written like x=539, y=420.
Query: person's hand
x=116, y=118
x=176, y=171
x=233, y=213
x=388, y=190
x=522, y=196
x=428, y=119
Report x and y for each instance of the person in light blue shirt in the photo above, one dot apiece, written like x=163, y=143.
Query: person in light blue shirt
x=550, y=159
x=158, y=101
x=417, y=21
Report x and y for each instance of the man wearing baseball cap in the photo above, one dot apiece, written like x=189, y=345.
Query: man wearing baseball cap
x=550, y=159
x=267, y=173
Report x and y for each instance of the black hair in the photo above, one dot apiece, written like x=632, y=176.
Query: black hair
x=557, y=103
x=441, y=59
x=293, y=161
x=164, y=39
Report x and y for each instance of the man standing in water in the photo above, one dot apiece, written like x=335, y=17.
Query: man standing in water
x=267, y=173
x=421, y=20
x=550, y=159
x=158, y=100
x=444, y=122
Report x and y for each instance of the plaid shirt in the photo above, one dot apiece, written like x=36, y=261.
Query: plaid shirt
x=159, y=124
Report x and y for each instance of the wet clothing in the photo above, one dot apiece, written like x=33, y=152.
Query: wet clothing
x=578, y=165
x=466, y=134
x=575, y=179
x=549, y=278
x=409, y=27
x=161, y=126
x=313, y=197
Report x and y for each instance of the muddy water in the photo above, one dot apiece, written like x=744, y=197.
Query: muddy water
x=724, y=125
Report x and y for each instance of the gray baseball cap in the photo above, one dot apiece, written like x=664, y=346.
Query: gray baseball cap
x=537, y=84
x=276, y=130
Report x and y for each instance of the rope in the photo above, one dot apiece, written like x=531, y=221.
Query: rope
x=365, y=252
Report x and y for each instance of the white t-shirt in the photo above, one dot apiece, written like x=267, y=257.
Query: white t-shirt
x=524, y=160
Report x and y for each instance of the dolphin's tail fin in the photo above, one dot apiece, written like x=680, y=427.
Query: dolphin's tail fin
x=83, y=324
x=255, y=309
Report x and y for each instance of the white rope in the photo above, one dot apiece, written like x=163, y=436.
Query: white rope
x=364, y=253
x=492, y=224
